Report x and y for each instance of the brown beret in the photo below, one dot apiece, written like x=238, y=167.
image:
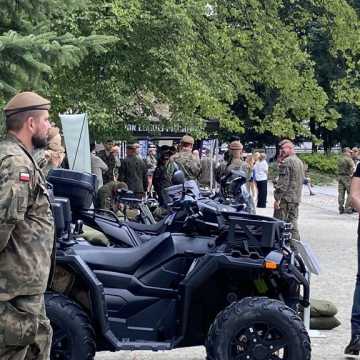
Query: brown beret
x=236, y=145
x=25, y=101
x=187, y=139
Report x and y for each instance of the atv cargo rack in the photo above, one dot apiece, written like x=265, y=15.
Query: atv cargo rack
x=248, y=231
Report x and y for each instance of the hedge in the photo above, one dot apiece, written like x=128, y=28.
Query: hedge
x=321, y=162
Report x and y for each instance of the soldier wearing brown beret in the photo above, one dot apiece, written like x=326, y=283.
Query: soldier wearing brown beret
x=186, y=160
x=26, y=231
x=53, y=156
x=288, y=189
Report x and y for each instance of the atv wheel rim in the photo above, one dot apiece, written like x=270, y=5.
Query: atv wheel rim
x=259, y=341
x=61, y=344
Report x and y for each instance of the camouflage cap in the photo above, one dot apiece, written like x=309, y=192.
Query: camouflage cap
x=26, y=101
x=235, y=145
x=187, y=139
x=131, y=146
x=347, y=149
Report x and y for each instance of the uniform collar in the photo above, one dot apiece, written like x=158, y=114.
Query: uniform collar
x=15, y=140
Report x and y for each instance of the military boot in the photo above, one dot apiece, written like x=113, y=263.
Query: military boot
x=352, y=351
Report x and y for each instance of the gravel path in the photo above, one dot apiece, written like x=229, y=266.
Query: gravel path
x=333, y=238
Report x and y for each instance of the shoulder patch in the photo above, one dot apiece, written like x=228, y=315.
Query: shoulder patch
x=24, y=176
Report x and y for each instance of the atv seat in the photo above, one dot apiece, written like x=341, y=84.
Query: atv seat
x=118, y=259
x=157, y=228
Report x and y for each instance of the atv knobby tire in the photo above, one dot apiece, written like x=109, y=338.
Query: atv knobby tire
x=73, y=335
x=258, y=328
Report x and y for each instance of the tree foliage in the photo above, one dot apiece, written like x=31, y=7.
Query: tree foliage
x=30, y=49
x=272, y=67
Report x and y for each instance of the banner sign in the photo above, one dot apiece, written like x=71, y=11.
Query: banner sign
x=76, y=135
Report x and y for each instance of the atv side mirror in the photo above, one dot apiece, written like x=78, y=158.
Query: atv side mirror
x=178, y=178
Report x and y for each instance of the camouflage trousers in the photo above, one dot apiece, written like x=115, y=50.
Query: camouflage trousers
x=289, y=212
x=25, y=331
x=344, y=183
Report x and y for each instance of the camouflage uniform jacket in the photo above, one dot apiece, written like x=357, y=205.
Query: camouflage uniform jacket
x=151, y=163
x=26, y=223
x=110, y=161
x=205, y=172
x=346, y=166
x=133, y=173
x=188, y=164
x=105, y=194
x=235, y=164
x=44, y=164
x=291, y=179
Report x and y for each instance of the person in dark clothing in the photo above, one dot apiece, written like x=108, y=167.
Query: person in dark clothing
x=109, y=159
x=133, y=172
x=162, y=174
x=353, y=349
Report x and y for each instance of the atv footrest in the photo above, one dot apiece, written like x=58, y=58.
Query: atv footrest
x=144, y=345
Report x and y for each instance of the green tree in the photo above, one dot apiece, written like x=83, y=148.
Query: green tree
x=203, y=61
x=30, y=49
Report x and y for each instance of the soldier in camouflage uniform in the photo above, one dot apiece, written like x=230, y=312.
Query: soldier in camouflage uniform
x=53, y=156
x=163, y=173
x=288, y=188
x=105, y=197
x=185, y=159
x=26, y=232
x=109, y=159
x=133, y=172
x=234, y=162
x=346, y=167
x=205, y=169
x=151, y=162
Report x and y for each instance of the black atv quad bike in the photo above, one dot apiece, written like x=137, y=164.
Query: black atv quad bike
x=238, y=292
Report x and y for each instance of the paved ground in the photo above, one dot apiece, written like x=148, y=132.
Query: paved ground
x=333, y=237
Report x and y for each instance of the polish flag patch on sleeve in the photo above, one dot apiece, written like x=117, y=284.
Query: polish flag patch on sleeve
x=24, y=177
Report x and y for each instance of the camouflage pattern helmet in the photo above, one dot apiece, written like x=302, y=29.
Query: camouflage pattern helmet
x=26, y=101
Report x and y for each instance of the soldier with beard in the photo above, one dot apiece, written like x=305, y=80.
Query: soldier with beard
x=26, y=232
